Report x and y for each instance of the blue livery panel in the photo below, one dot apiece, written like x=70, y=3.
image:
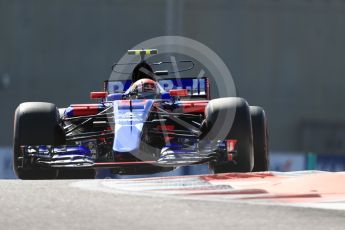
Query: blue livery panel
x=129, y=116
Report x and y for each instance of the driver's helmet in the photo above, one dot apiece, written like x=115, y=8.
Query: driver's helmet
x=146, y=85
x=146, y=88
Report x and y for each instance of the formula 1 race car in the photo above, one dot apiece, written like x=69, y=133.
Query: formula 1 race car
x=141, y=125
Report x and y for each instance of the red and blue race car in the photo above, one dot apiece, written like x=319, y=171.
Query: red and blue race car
x=141, y=125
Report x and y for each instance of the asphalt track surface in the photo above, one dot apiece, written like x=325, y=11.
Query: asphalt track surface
x=83, y=204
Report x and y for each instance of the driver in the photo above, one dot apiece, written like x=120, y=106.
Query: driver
x=145, y=88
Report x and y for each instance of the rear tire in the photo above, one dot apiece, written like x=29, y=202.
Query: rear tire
x=35, y=123
x=229, y=118
x=260, y=138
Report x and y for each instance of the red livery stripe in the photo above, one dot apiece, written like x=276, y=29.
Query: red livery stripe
x=193, y=106
x=85, y=109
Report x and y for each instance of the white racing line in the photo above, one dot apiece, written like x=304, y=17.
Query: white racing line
x=312, y=189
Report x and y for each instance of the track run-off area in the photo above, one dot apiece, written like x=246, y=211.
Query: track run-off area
x=269, y=200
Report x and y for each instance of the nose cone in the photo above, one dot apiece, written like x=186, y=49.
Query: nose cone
x=130, y=116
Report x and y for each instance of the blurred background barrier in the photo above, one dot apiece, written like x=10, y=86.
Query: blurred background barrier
x=6, y=171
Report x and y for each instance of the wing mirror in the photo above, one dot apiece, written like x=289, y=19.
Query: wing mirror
x=178, y=92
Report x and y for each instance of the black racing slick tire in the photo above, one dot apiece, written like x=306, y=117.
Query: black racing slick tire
x=35, y=123
x=229, y=118
x=260, y=138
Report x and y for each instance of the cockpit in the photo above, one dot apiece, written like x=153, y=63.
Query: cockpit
x=145, y=89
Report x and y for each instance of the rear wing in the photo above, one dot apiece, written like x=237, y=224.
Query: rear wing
x=196, y=87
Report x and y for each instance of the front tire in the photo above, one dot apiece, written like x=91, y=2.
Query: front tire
x=35, y=123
